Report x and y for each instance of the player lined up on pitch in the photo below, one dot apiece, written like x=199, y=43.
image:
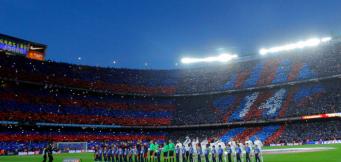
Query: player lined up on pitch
x=187, y=151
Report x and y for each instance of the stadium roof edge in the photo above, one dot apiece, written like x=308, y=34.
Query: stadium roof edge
x=22, y=40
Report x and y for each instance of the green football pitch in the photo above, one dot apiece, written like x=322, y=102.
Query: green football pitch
x=333, y=155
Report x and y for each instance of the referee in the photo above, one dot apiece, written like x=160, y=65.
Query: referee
x=171, y=148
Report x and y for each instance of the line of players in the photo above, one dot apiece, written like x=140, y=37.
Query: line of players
x=188, y=151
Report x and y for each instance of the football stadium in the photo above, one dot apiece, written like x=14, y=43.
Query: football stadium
x=278, y=104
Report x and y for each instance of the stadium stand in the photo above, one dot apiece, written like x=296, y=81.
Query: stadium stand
x=44, y=101
x=20, y=139
x=55, y=105
x=33, y=139
x=271, y=103
x=311, y=131
x=293, y=66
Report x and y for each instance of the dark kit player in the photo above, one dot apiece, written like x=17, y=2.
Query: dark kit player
x=125, y=153
x=199, y=152
x=183, y=154
x=135, y=153
x=98, y=154
x=207, y=152
x=106, y=154
x=247, y=153
x=257, y=154
x=239, y=153
x=50, y=150
x=213, y=152
x=120, y=154
x=142, y=153
x=158, y=152
x=45, y=153
x=220, y=153
x=191, y=152
x=113, y=153
x=229, y=153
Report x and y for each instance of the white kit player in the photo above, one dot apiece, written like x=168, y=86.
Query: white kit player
x=186, y=145
x=249, y=142
x=242, y=147
x=233, y=145
x=204, y=143
x=195, y=142
x=186, y=142
x=178, y=143
x=259, y=145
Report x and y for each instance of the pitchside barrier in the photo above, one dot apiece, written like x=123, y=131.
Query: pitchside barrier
x=309, y=143
x=72, y=160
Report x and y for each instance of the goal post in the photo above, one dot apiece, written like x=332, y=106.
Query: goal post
x=72, y=146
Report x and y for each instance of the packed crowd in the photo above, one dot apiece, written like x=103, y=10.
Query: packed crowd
x=123, y=81
x=57, y=105
x=18, y=138
x=22, y=138
x=311, y=131
x=293, y=66
x=34, y=103
x=273, y=103
x=33, y=92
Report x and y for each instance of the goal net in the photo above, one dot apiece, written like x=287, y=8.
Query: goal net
x=72, y=146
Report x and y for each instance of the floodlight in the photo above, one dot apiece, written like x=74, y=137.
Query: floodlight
x=225, y=57
x=298, y=45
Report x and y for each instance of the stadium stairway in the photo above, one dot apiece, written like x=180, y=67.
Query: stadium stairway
x=241, y=78
x=304, y=93
x=264, y=133
x=305, y=72
x=268, y=73
x=231, y=134
x=287, y=101
x=231, y=82
x=249, y=132
x=275, y=135
x=254, y=76
x=233, y=107
x=283, y=71
x=294, y=71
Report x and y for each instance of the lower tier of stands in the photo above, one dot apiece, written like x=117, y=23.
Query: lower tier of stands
x=18, y=138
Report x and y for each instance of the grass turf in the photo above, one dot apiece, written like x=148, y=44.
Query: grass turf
x=323, y=156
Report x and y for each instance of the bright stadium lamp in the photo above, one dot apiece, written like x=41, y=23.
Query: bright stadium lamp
x=225, y=57
x=326, y=39
x=298, y=45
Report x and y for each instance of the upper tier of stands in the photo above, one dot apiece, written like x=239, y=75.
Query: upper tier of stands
x=281, y=68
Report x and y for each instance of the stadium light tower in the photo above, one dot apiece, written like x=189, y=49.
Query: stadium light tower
x=224, y=57
x=298, y=45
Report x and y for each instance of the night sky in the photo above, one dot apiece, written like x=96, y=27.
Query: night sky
x=160, y=32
